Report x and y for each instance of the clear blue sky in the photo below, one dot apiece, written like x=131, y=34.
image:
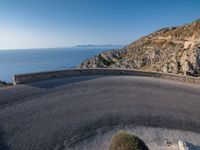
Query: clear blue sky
x=62, y=23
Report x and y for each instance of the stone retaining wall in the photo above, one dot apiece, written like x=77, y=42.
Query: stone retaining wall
x=25, y=78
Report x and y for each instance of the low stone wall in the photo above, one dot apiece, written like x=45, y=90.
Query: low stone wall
x=31, y=77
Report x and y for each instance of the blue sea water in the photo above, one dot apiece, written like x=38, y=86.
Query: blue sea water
x=34, y=60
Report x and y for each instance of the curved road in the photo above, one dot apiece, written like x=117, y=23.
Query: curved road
x=45, y=114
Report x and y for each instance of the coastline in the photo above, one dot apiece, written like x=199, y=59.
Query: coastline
x=37, y=60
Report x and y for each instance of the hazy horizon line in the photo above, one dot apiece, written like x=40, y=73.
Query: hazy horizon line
x=74, y=46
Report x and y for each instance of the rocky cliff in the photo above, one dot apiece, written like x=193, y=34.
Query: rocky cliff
x=170, y=50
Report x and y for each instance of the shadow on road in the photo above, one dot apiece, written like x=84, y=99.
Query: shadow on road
x=56, y=82
x=3, y=143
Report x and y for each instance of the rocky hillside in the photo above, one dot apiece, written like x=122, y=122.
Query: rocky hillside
x=170, y=50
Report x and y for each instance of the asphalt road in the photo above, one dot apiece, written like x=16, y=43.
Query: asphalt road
x=43, y=115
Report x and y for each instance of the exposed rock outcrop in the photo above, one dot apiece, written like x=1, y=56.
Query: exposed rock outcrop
x=170, y=50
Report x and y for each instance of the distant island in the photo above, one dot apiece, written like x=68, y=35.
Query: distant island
x=93, y=45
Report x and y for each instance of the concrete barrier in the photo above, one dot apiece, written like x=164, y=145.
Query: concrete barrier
x=31, y=77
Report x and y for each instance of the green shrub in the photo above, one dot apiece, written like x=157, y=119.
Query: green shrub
x=196, y=73
x=125, y=141
x=106, y=62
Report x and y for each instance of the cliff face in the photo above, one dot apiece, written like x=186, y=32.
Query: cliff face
x=170, y=50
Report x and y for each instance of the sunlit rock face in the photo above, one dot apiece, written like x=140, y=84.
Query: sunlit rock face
x=170, y=50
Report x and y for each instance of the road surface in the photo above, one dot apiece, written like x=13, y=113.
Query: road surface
x=43, y=115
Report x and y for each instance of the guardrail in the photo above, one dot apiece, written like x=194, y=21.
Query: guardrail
x=31, y=77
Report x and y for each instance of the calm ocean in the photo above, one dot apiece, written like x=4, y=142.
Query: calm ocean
x=33, y=60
